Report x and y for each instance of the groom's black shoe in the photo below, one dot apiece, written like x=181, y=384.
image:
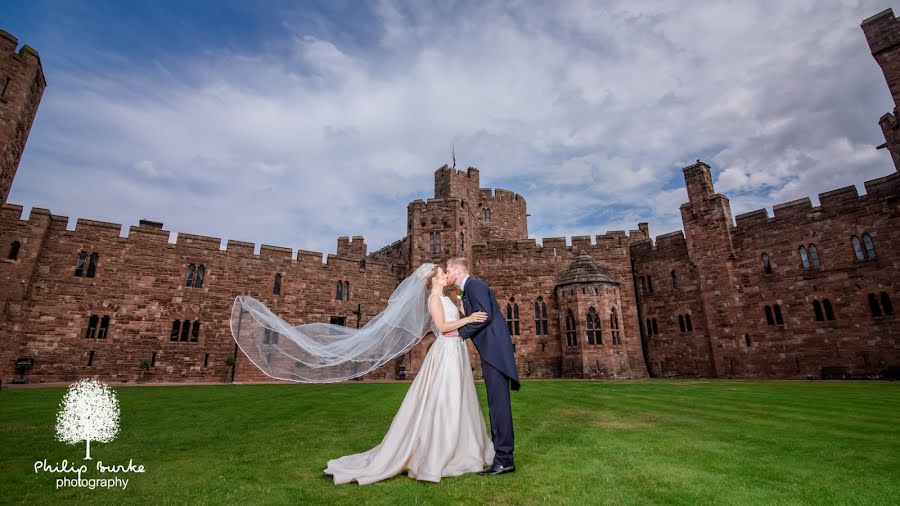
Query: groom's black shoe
x=497, y=469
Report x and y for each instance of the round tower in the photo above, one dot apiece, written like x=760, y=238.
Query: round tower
x=590, y=312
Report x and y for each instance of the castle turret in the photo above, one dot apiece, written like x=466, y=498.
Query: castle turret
x=590, y=312
x=708, y=230
x=21, y=86
x=883, y=35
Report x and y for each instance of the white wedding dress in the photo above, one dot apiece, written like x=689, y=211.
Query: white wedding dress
x=438, y=431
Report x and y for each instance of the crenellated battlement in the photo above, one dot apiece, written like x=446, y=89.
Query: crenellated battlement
x=832, y=202
x=799, y=207
x=471, y=173
x=554, y=246
x=670, y=245
x=351, y=247
x=490, y=195
x=433, y=204
x=450, y=182
x=394, y=245
x=151, y=234
x=9, y=43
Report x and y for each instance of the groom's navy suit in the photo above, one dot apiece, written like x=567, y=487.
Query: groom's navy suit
x=498, y=363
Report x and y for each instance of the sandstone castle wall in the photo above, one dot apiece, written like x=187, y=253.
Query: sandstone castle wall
x=693, y=303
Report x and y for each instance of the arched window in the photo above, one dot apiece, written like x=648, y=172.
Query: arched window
x=814, y=256
x=571, y=332
x=655, y=328
x=770, y=318
x=462, y=241
x=594, y=336
x=92, y=265
x=512, y=317
x=195, y=331
x=277, y=288
x=346, y=290
x=767, y=267
x=486, y=216
x=339, y=293
x=270, y=336
x=14, y=250
x=540, y=317
x=185, y=330
x=829, y=311
x=674, y=281
x=681, y=323
x=817, y=310
x=870, y=247
x=687, y=323
x=649, y=285
x=643, y=285
x=614, y=327
x=93, y=321
x=777, y=310
x=201, y=272
x=857, y=248
x=874, y=306
x=176, y=329
x=104, y=327
x=79, y=264
x=190, y=276
x=888, y=308
x=804, y=258
x=435, y=242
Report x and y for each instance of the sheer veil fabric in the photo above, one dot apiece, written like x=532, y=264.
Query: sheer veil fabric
x=328, y=353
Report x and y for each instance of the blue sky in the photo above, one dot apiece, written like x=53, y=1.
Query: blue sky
x=291, y=123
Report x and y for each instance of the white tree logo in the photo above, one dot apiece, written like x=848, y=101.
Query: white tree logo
x=88, y=412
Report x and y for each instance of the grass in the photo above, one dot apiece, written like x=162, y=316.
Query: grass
x=577, y=442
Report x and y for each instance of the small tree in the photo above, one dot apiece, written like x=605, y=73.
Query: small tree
x=145, y=366
x=88, y=412
x=230, y=375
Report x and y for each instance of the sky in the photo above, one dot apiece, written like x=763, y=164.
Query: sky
x=293, y=123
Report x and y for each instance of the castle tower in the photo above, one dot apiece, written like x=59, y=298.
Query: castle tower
x=436, y=231
x=708, y=231
x=460, y=215
x=21, y=86
x=591, y=323
x=882, y=32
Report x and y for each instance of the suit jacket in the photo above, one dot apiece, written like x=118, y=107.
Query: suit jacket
x=491, y=337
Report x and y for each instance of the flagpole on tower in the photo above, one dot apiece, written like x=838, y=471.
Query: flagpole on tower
x=454, y=155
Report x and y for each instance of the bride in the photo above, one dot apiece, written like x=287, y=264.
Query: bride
x=439, y=430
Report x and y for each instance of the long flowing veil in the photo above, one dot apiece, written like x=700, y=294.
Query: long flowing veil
x=327, y=353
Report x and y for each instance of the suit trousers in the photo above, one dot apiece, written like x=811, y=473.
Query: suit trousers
x=497, y=385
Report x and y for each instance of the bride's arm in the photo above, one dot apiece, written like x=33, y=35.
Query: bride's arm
x=436, y=308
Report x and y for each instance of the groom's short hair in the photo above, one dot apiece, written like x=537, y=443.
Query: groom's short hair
x=460, y=261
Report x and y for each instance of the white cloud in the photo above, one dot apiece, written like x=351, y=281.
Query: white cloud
x=579, y=106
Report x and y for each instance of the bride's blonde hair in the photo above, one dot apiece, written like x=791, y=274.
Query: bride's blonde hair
x=430, y=277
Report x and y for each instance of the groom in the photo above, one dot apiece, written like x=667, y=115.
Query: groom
x=498, y=362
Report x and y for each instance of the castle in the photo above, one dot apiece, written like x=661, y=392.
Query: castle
x=808, y=292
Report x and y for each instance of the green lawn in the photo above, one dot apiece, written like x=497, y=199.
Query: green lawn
x=613, y=442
